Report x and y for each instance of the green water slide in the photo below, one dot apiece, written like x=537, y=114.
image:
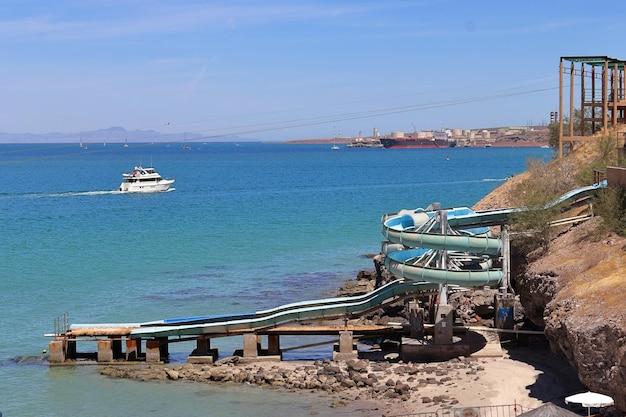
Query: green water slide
x=324, y=309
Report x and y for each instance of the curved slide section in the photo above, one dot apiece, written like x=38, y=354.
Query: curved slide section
x=307, y=310
x=396, y=263
x=474, y=244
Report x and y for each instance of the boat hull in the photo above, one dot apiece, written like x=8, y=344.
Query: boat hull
x=148, y=187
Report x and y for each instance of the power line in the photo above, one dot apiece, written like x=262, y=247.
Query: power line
x=321, y=120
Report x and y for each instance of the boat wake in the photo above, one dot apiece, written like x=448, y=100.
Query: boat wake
x=76, y=194
x=493, y=179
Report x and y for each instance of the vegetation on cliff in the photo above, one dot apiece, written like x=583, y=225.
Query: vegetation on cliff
x=544, y=182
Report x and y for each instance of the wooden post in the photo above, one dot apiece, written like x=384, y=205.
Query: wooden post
x=582, y=99
x=561, y=108
x=605, y=103
x=614, y=82
x=593, y=99
x=571, y=99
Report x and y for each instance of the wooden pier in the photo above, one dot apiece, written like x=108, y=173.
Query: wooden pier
x=115, y=345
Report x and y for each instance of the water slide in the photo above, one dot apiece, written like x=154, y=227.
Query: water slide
x=329, y=308
x=403, y=229
x=470, y=234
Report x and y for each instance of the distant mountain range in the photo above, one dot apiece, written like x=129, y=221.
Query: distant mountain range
x=112, y=134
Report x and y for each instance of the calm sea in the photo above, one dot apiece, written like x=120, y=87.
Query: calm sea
x=249, y=226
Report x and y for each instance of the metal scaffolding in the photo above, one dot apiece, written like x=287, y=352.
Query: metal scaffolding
x=597, y=106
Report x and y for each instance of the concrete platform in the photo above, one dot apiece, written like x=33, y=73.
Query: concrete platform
x=209, y=358
x=423, y=350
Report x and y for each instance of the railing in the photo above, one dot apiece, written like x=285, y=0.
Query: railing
x=599, y=175
x=506, y=410
x=61, y=324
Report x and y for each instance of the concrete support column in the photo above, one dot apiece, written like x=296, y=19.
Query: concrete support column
x=70, y=349
x=203, y=352
x=203, y=345
x=443, y=324
x=164, y=348
x=416, y=320
x=105, y=350
x=116, y=347
x=346, y=349
x=250, y=345
x=153, y=350
x=56, y=351
x=133, y=349
x=346, y=342
x=273, y=344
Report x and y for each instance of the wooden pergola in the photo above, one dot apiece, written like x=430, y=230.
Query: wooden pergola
x=601, y=94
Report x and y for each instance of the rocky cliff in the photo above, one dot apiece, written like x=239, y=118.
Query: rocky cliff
x=576, y=288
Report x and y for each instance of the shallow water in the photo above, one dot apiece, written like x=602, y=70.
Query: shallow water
x=248, y=227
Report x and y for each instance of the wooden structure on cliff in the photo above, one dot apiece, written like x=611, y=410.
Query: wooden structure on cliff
x=598, y=83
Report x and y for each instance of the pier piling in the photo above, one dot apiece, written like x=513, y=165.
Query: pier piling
x=133, y=349
x=157, y=349
x=105, y=350
x=273, y=344
x=56, y=351
x=250, y=345
x=203, y=352
x=346, y=347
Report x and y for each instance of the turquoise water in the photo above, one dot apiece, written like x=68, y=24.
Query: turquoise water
x=248, y=227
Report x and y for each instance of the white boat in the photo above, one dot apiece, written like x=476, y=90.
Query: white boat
x=334, y=147
x=144, y=180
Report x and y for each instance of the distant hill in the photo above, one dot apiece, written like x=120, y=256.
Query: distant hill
x=112, y=134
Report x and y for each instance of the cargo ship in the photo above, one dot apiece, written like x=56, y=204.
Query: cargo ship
x=417, y=140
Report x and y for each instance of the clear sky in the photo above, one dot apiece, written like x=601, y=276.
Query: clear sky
x=219, y=67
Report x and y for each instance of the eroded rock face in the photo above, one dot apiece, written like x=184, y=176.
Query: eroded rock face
x=536, y=290
x=596, y=346
x=577, y=290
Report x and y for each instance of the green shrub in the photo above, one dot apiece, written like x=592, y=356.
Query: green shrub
x=610, y=205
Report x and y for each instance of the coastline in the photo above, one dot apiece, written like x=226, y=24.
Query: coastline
x=389, y=387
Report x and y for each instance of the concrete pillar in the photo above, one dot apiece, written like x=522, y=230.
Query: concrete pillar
x=116, y=347
x=203, y=345
x=56, y=351
x=133, y=349
x=164, y=348
x=203, y=352
x=70, y=349
x=153, y=350
x=250, y=345
x=416, y=320
x=105, y=350
x=443, y=324
x=273, y=344
x=346, y=342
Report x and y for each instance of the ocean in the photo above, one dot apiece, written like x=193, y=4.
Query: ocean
x=249, y=226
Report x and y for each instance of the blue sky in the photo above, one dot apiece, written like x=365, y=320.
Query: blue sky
x=232, y=67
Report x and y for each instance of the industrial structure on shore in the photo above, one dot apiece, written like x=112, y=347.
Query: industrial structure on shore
x=601, y=98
